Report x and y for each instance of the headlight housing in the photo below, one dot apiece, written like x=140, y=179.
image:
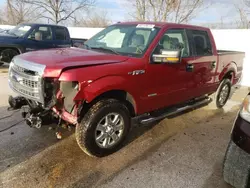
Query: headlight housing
x=245, y=110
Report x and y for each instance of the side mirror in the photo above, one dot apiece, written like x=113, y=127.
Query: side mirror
x=168, y=56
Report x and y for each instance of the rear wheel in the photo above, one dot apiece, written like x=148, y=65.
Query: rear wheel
x=104, y=128
x=223, y=93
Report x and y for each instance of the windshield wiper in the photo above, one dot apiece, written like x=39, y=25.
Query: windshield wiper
x=105, y=49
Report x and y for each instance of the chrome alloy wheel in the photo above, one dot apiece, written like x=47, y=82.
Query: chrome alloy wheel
x=224, y=94
x=109, y=130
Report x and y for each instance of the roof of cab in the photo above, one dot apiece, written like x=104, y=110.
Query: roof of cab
x=41, y=24
x=163, y=24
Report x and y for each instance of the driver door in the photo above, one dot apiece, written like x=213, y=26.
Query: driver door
x=45, y=42
x=168, y=83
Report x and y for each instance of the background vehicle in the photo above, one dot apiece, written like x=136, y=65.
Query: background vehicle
x=236, y=167
x=30, y=37
x=143, y=71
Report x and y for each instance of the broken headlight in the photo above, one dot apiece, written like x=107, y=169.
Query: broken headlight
x=51, y=86
x=245, y=110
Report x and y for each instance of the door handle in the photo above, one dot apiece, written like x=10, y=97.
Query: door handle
x=190, y=68
x=213, y=64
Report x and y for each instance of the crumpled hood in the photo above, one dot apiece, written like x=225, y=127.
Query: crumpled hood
x=56, y=60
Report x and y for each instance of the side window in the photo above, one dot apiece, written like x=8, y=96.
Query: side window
x=202, y=44
x=174, y=39
x=41, y=33
x=60, y=33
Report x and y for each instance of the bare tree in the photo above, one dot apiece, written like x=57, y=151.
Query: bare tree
x=179, y=11
x=60, y=10
x=187, y=9
x=17, y=11
x=153, y=10
x=243, y=22
x=140, y=12
x=99, y=19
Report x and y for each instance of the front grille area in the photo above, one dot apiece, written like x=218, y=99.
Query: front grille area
x=27, y=83
x=30, y=83
x=25, y=71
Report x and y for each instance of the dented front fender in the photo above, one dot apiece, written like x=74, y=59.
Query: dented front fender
x=91, y=89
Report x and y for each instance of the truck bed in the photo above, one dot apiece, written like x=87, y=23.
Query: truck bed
x=226, y=57
x=226, y=52
x=77, y=42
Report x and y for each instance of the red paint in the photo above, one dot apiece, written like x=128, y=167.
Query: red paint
x=72, y=119
x=106, y=72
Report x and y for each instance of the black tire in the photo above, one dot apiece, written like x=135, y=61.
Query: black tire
x=1, y=63
x=225, y=82
x=86, y=130
x=236, y=166
x=8, y=54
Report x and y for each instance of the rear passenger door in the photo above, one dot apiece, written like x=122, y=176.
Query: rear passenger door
x=204, y=63
x=61, y=37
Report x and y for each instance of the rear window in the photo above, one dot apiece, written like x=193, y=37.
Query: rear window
x=60, y=33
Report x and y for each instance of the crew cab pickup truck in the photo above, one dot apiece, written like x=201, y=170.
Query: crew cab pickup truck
x=128, y=72
x=32, y=36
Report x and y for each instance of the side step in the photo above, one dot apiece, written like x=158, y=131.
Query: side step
x=149, y=118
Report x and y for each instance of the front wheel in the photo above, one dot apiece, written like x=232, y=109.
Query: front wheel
x=223, y=93
x=8, y=54
x=104, y=128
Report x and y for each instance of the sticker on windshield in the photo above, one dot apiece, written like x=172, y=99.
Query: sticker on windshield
x=150, y=26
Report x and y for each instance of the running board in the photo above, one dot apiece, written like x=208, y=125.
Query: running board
x=151, y=119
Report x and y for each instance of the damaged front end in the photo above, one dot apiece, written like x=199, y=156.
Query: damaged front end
x=42, y=99
x=59, y=104
x=65, y=107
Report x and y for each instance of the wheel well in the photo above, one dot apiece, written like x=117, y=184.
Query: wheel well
x=12, y=48
x=120, y=95
x=229, y=76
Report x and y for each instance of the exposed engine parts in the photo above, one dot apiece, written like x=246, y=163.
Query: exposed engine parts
x=17, y=102
x=34, y=121
x=35, y=115
x=32, y=112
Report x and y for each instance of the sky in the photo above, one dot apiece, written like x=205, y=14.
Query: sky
x=118, y=10
x=220, y=9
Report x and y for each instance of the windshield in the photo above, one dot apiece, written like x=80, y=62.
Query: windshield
x=131, y=40
x=19, y=30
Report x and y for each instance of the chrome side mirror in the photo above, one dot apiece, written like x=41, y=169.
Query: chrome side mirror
x=168, y=56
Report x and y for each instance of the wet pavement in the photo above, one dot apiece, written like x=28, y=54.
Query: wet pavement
x=184, y=151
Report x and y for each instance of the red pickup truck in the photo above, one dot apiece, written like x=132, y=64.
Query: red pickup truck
x=142, y=71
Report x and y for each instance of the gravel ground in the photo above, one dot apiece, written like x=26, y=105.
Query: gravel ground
x=184, y=151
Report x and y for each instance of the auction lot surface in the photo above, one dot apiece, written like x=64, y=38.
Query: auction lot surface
x=184, y=151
